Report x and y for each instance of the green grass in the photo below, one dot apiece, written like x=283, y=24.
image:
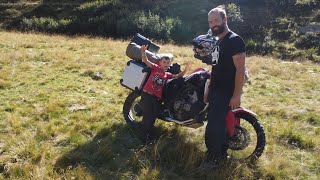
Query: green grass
x=57, y=122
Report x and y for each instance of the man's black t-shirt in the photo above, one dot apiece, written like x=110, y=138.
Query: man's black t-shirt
x=223, y=70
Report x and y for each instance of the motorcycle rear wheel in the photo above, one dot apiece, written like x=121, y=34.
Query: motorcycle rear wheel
x=132, y=109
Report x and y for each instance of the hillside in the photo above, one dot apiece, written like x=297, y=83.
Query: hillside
x=59, y=123
x=287, y=29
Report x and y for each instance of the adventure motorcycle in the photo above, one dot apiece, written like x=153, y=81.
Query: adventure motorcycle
x=183, y=104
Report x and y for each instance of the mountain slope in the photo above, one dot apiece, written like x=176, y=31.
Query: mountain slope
x=58, y=122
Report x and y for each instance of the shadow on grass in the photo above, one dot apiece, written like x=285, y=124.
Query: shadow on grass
x=105, y=154
x=117, y=153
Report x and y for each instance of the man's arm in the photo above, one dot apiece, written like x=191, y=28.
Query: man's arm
x=239, y=63
x=206, y=91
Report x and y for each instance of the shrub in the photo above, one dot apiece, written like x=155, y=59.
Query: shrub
x=316, y=16
x=44, y=24
x=308, y=41
x=281, y=34
x=11, y=13
x=264, y=47
x=234, y=13
x=180, y=32
x=251, y=46
x=152, y=25
x=125, y=27
x=287, y=54
x=311, y=54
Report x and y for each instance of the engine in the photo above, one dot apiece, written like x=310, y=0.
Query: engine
x=184, y=96
x=187, y=104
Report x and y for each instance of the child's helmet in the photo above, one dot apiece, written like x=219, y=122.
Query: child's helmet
x=203, y=45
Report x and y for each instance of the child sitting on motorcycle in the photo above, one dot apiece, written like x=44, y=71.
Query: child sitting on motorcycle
x=152, y=91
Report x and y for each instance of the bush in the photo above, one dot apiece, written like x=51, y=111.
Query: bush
x=11, y=13
x=234, y=13
x=316, y=16
x=264, y=47
x=311, y=54
x=180, y=32
x=44, y=24
x=152, y=25
x=251, y=45
x=282, y=35
x=288, y=54
x=125, y=27
x=308, y=41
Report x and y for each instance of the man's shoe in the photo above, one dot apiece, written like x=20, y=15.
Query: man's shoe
x=217, y=159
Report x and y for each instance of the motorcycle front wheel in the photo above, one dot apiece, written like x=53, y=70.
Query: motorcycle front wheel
x=249, y=139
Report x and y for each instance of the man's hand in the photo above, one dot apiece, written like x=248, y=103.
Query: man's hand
x=235, y=102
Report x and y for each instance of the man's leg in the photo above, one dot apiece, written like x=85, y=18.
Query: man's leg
x=215, y=135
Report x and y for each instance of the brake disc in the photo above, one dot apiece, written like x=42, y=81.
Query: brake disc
x=240, y=139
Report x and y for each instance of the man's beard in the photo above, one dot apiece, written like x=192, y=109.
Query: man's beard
x=218, y=31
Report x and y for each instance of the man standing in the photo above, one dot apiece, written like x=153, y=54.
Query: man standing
x=227, y=79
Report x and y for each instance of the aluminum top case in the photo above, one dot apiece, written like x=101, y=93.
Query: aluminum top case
x=135, y=75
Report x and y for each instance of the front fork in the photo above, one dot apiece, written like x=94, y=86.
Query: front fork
x=233, y=121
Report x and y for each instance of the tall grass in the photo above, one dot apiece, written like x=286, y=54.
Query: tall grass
x=58, y=122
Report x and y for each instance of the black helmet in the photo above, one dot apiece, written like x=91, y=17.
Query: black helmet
x=203, y=45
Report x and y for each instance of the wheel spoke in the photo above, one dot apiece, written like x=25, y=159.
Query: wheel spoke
x=249, y=141
x=130, y=108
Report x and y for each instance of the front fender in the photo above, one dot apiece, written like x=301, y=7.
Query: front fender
x=232, y=120
x=243, y=110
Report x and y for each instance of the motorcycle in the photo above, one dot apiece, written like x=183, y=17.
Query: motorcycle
x=183, y=104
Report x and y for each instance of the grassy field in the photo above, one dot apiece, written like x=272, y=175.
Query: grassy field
x=57, y=122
